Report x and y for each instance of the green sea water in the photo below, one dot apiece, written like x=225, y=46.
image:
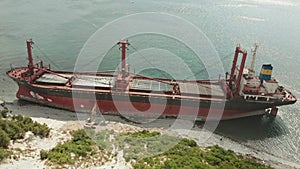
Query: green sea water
x=60, y=28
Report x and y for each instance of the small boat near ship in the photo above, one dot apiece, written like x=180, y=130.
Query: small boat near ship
x=240, y=94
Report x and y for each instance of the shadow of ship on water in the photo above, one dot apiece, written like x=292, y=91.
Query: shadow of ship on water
x=250, y=128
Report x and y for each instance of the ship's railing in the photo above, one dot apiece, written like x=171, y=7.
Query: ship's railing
x=288, y=96
x=39, y=64
x=257, y=97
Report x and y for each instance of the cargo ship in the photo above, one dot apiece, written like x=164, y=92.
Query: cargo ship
x=240, y=93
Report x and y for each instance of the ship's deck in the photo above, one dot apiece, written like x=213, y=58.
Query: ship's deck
x=201, y=88
x=150, y=85
x=53, y=79
x=93, y=81
x=137, y=84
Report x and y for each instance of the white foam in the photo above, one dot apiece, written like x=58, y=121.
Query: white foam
x=252, y=18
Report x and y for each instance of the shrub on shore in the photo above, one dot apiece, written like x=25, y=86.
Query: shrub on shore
x=4, y=153
x=144, y=143
x=4, y=139
x=14, y=127
x=17, y=125
x=4, y=113
x=186, y=154
x=80, y=145
x=143, y=134
x=147, y=150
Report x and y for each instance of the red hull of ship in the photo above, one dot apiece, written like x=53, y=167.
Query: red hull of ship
x=127, y=108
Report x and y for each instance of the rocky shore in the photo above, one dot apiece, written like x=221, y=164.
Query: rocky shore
x=27, y=151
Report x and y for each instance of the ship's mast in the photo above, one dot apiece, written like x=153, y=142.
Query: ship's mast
x=30, y=59
x=233, y=79
x=123, y=47
x=123, y=77
x=253, y=58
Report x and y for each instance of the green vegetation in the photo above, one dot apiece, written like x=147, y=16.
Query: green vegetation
x=80, y=145
x=4, y=153
x=102, y=140
x=186, y=154
x=4, y=139
x=155, y=150
x=143, y=134
x=144, y=143
x=135, y=144
x=17, y=125
x=14, y=127
x=3, y=113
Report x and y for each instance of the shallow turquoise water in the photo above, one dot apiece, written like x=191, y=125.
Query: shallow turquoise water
x=61, y=27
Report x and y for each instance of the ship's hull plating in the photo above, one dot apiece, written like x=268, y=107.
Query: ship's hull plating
x=141, y=105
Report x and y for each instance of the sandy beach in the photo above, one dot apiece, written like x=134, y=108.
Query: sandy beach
x=61, y=120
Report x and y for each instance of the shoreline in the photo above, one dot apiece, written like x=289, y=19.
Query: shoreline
x=70, y=120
